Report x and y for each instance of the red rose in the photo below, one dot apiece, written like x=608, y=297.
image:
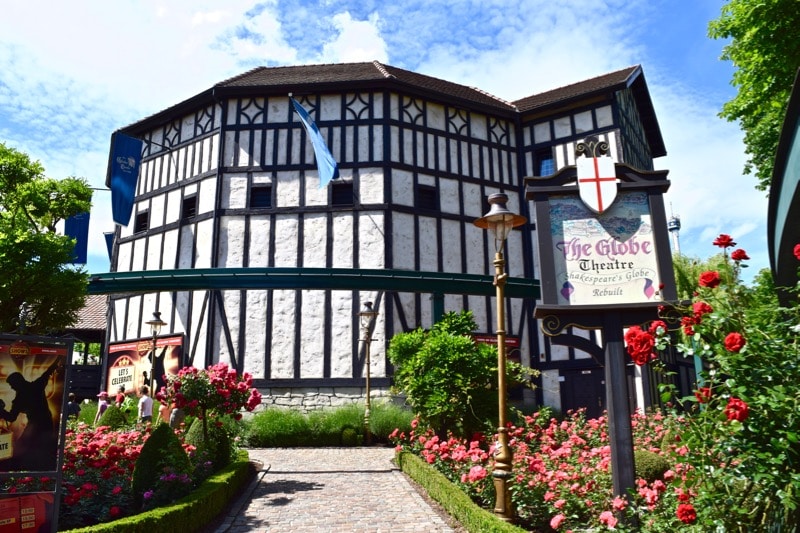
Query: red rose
x=655, y=324
x=686, y=323
x=703, y=394
x=797, y=251
x=686, y=513
x=700, y=309
x=739, y=255
x=724, y=241
x=737, y=410
x=709, y=279
x=639, y=345
x=734, y=342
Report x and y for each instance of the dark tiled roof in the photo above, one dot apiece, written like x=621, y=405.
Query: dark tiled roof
x=604, y=83
x=362, y=74
x=93, y=314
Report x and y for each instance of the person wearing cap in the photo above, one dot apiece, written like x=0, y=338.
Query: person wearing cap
x=102, y=405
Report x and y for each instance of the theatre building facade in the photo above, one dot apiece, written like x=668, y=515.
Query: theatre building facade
x=228, y=179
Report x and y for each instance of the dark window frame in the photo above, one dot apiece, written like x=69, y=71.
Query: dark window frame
x=189, y=207
x=260, y=196
x=426, y=197
x=342, y=194
x=142, y=221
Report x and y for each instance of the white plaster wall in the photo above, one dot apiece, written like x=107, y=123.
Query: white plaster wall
x=206, y=195
x=436, y=116
x=314, y=194
x=370, y=186
x=403, y=241
x=204, y=231
x=449, y=199
x=173, y=212
x=124, y=251
x=371, y=231
x=283, y=321
x=315, y=238
x=231, y=242
x=428, y=245
x=231, y=303
x=138, y=254
x=342, y=334
x=157, y=212
x=278, y=109
x=185, y=253
x=551, y=389
x=154, y=254
x=259, y=241
x=394, y=143
x=200, y=329
x=311, y=334
x=475, y=250
x=342, y=241
x=473, y=200
x=255, y=320
x=402, y=187
x=287, y=189
x=286, y=230
x=234, y=191
x=451, y=246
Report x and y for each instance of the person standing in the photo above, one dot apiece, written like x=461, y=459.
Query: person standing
x=73, y=408
x=145, y=405
x=102, y=405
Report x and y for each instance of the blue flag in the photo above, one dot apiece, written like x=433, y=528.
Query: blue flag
x=123, y=173
x=109, y=235
x=77, y=227
x=326, y=165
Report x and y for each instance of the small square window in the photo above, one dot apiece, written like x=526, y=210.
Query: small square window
x=545, y=164
x=142, y=221
x=342, y=194
x=189, y=207
x=260, y=196
x=425, y=197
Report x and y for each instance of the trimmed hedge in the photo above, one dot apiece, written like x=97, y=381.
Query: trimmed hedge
x=192, y=513
x=474, y=518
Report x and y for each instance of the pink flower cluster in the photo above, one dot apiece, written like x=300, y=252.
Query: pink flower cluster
x=218, y=388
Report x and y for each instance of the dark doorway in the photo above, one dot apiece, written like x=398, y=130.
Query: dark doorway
x=583, y=388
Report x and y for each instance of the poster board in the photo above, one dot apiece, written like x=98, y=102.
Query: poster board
x=130, y=363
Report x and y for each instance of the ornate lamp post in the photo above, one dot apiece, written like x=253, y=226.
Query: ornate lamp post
x=155, y=327
x=367, y=315
x=500, y=221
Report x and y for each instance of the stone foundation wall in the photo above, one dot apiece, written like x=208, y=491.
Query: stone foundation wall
x=307, y=399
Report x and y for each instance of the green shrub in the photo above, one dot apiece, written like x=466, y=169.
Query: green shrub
x=113, y=417
x=162, y=453
x=278, y=428
x=219, y=449
x=649, y=466
x=385, y=417
x=351, y=437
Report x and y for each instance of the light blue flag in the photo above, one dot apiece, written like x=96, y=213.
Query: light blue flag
x=326, y=165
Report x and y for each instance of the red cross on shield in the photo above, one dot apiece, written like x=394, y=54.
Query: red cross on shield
x=597, y=182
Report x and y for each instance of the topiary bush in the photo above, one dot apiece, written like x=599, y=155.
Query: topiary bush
x=219, y=449
x=113, y=417
x=161, y=472
x=649, y=466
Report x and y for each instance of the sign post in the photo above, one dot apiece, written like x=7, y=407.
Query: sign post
x=605, y=264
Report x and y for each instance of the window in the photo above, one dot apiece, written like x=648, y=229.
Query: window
x=260, y=196
x=189, y=207
x=545, y=164
x=141, y=222
x=425, y=197
x=342, y=194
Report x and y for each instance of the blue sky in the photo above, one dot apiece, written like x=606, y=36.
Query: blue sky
x=73, y=72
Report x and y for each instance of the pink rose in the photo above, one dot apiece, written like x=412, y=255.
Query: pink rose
x=557, y=520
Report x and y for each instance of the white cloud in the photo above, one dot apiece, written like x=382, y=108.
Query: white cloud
x=356, y=41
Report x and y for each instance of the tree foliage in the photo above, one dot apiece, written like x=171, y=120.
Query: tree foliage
x=765, y=50
x=38, y=279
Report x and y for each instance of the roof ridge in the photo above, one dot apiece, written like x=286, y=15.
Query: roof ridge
x=382, y=69
x=490, y=95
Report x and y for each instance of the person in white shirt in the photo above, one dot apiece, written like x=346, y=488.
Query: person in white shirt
x=145, y=405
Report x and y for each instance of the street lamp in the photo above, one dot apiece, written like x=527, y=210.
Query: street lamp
x=500, y=221
x=155, y=327
x=367, y=315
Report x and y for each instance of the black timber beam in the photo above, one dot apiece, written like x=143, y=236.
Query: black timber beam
x=306, y=278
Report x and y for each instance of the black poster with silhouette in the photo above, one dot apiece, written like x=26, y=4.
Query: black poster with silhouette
x=32, y=385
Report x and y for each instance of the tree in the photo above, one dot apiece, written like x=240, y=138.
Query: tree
x=766, y=53
x=38, y=283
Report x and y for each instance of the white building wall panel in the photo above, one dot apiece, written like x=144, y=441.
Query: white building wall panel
x=371, y=231
x=451, y=246
x=138, y=256
x=428, y=245
x=311, y=339
x=449, y=198
x=314, y=194
x=258, y=251
x=204, y=244
x=286, y=230
x=342, y=334
x=234, y=191
x=370, y=186
x=402, y=187
x=231, y=242
x=200, y=338
x=403, y=250
x=124, y=251
x=342, y=241
x=231, y=301
x=478, y=127
x=436, y=116
x=206, y=195
x=154, y=252
x=283, y=324
x=255, y=320
x=186, y=249
x=315, y=238
x=288, y=189
x=157, y=214
x=475, y=250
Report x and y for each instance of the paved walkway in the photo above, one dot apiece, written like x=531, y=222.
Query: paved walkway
x=330, y=490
